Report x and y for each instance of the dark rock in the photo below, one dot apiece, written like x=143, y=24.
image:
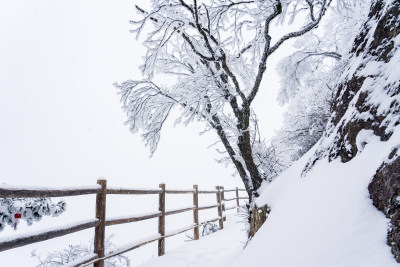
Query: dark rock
x=380, y=49
x=385, y=193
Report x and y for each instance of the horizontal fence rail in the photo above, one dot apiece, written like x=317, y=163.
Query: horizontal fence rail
x=122, y=191
x=137, y=218
x=38, y=193
x=209, y=207
x=23, y=240
x=100, y=222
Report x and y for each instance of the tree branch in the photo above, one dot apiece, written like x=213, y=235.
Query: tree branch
x=187, y=39
x=186, y=6
x=306, y=29
x=262, y=65
x=268, y=51
x=309, y=3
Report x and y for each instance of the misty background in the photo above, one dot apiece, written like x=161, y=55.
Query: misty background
x=62, y=125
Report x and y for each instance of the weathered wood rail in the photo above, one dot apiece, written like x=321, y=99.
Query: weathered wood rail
x=101, y=221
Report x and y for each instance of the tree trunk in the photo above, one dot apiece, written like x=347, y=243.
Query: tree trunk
x=244, y=145
x=245, y=148
x=238, y=165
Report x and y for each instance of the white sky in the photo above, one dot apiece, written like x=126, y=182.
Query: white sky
x=61, y=121
x=60, y=116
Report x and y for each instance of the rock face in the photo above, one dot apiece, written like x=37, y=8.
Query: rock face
x=368, y=102
x=373, y=45
x=385, y=193
x=368, y=96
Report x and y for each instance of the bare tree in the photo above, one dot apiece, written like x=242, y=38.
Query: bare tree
x=217, y=51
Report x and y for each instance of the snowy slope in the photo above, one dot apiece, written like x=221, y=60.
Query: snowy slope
x=325, y=218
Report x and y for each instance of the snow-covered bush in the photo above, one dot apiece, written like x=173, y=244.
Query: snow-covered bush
x=206, y=229
x=75, y=252
x=270, y=158
x=28, y=209
x=209, y=228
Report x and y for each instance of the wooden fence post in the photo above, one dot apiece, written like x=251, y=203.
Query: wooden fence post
x=99, y=232
x=221, y=221
x=161, y=220
x=223, y=202
x=196, y=212
x=237, y=199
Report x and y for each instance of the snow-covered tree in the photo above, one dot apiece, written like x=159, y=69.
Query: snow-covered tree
x=217, y=53
x=76, y=252
x=28, y=209
x=309, y=75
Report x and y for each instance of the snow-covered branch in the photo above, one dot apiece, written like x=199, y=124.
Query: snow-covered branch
x=28, y=209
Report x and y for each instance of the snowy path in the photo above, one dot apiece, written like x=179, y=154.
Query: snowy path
x=218, y=249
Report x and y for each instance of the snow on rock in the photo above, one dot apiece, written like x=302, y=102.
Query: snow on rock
x=363, y=138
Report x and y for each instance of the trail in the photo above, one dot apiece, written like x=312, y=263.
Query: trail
x=218, y=249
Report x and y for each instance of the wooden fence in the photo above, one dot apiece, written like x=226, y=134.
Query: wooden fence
x=100, y=222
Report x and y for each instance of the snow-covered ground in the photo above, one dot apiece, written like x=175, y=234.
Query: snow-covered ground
x=325, y=218
x=217, y=249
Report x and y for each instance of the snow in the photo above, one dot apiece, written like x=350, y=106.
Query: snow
x=218, y=249
x=130, y=245
x=85, y=258
x=210, y=220
x=325, y=218
x=180, y=230
x=364, y=137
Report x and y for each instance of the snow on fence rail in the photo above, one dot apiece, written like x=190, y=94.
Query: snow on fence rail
x=100, y=222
